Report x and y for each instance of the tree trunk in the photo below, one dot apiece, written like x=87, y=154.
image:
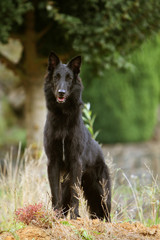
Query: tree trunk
x=35, y=113
x=33, y=84
x=31, y=71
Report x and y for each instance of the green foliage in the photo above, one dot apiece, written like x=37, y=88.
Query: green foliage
x=11, y=13
x=12, y=226
x=104, y=32
x=82, y=233
x=125, y=102
x=10, y=132
x=89, y=120
x=85, y=235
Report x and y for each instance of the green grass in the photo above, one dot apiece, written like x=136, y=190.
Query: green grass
x=82, y=233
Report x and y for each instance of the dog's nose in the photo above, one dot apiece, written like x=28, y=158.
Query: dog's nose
x=61, y=92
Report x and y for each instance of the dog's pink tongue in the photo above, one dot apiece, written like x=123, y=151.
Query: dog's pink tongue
x=61, y=99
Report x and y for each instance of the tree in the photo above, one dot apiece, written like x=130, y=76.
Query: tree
x=103, y=31
x=127, y=104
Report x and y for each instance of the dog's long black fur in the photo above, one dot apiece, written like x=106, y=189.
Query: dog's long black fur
x=69, y=147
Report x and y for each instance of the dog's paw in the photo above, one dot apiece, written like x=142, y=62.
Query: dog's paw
x=74, y=215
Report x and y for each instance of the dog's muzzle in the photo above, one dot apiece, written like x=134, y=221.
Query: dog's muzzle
x=61, y=98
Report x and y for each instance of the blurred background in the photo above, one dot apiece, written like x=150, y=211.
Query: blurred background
x=119, y=42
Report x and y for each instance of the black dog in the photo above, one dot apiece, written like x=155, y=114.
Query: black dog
x=69, y=147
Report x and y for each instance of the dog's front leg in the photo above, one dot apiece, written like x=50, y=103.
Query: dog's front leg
x=75, y=178
x=54, y=181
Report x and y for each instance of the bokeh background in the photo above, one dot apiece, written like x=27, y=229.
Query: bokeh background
x=119, y=42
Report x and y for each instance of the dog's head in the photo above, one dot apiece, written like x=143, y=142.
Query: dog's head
x=63, y=77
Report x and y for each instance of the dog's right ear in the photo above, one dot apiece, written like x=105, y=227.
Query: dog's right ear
x=53, y=61
x=75, y=64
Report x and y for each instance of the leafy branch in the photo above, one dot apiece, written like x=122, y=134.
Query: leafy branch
x=89, y=120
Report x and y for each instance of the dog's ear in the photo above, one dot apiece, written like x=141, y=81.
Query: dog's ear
x=75, y=64
x=53, y=61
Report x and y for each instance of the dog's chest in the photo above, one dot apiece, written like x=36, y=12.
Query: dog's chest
x=61, y=127
x=60, y=133
x=69, y=150
x=63, y=151
x=65, y=156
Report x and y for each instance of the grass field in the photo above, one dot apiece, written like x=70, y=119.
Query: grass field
x=23, y=182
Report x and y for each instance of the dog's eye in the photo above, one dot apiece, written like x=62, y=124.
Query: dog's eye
x=57, y=76
x=68, y=77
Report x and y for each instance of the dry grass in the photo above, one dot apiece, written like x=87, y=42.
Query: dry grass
x=23, y=180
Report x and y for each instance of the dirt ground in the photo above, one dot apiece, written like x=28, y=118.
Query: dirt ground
x=86, y=229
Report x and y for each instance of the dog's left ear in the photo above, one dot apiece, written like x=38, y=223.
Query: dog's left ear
x=75, y=64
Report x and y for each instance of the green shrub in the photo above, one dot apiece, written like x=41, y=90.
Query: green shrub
x=126, y=102
x=10, y=132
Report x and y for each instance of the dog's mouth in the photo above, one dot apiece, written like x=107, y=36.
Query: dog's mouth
x=61, y=99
